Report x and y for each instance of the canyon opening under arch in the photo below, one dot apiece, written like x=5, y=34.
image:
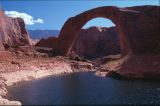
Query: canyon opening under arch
x=133, y=25
x=97, y=38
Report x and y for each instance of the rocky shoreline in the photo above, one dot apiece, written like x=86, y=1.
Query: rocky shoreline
x=143, y=66
x=26, y=67
x=11, y=78
x=20, y=76
x=28, y=63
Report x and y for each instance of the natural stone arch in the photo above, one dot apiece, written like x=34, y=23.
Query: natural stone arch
x=125, y=19
x=73, y=25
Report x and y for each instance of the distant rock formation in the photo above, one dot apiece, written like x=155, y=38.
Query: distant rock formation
x=96, y=42
x=49, y=42
x=137, y=27
x=43, y=34
x=12, y=32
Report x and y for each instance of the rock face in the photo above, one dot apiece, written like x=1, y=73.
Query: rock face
x=138, y=28
x=91, y=43
x=12, y=32
x=49, y=42
x=95, y=42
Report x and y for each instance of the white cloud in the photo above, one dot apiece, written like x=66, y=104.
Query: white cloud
x=38, y=20
x=28, y=19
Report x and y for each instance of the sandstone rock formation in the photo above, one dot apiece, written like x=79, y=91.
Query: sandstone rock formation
x=12, y=32
x=49, y=42
x=96, y=42
x=146, y=66
x=91, y=43
x=138, y=28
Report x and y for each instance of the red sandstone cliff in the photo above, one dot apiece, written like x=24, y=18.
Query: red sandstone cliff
x=12, y=32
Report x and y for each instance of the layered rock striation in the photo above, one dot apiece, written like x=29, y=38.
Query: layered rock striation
x=12, y=32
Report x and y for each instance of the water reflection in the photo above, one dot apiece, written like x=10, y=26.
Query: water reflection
x=85, y=88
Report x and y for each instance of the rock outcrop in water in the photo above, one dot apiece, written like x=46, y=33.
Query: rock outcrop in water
x=12, y=32
x=138, y=28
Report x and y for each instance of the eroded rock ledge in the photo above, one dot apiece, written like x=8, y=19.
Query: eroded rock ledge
x=143, y=66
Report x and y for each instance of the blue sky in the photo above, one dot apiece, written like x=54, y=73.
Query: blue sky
x=52, y=14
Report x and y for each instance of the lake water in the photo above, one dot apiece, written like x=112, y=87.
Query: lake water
x=85, y=88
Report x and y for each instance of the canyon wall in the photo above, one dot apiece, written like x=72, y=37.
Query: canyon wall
x=12, y=32
x=96, y=42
